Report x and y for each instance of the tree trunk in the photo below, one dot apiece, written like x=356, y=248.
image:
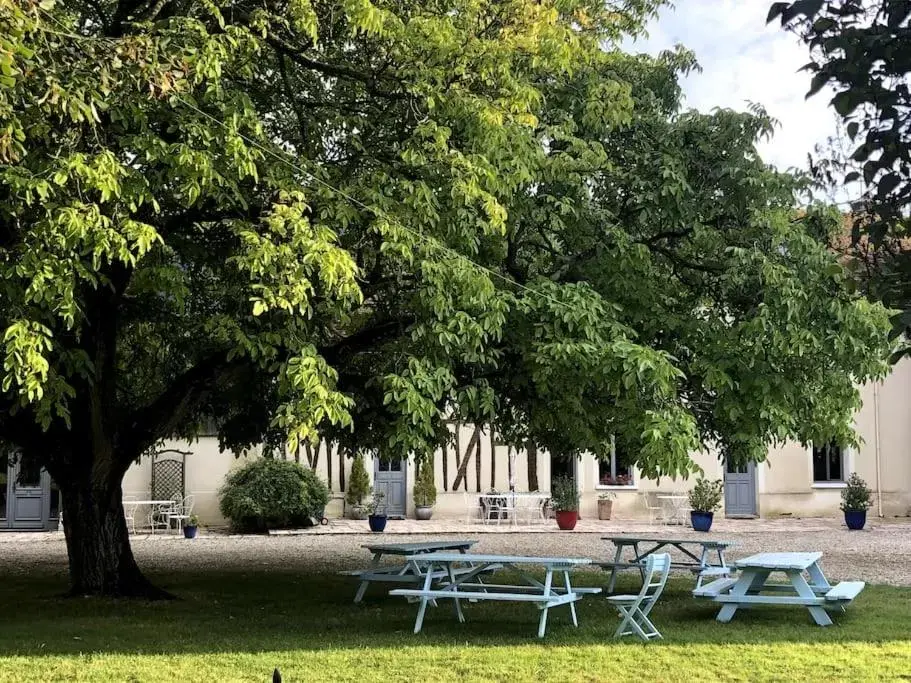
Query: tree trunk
x=98, y=542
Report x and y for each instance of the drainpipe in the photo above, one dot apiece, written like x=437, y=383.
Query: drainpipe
x=876, y=438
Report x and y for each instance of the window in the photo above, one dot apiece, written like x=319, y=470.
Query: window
x=617, y=471
x=828, y=464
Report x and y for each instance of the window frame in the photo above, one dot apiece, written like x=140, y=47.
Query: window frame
x=634, y=478
x=847, y=467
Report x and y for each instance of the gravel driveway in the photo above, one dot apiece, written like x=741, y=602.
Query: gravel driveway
x=879, y=555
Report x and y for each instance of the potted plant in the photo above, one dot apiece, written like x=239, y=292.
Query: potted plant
x=605, y=504
x=564, y=499
x=191, y=527
x=377, y=512
x=705, y=497
x=358, y=488
x=425, y=491
x=856, y=499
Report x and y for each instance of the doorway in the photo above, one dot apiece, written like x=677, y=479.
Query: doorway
x=740, y=490
x=25, y=496
x=389, y=478
x=28, y=497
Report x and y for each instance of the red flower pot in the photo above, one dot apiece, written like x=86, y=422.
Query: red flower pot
x=566, y=519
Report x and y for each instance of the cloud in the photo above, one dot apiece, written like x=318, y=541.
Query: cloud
x=744, y=60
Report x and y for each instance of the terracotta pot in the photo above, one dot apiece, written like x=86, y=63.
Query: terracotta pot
x=566, y=519
x=604, y=508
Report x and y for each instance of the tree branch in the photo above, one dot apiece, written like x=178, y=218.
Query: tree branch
x=163, y=416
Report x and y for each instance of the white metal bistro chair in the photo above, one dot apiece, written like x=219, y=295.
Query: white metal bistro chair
x=181, y=512
x=473, y=510
x=635, y=608
x=129, y=513
x=158, y=516
x=655, y=510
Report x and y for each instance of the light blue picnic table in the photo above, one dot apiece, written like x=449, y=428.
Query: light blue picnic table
x=463, y=572
x=700, y=564
x=400, y=573
x=753, y=586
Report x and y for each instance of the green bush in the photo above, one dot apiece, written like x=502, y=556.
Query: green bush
x=272, y=494
x=706, y=495
x=358, y=482
x=856, y=496
x=564, y=495
x=425, y=490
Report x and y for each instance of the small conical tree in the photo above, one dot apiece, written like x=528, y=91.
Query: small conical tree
x=358, y=482
x=425, y=490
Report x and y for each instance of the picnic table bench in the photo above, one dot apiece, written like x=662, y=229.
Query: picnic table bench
x=400, y=573
x=752, y=587
x=700, y=564
x=463, y=586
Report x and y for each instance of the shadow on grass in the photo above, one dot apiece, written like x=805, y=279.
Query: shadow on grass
x=280, y=611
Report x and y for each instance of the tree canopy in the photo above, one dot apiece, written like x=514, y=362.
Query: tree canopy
x=360, y=219
x=862, y=50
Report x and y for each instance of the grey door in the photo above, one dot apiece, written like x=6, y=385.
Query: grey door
x=4, y=492
x=740, y=490
x=389, y=477
x=28, y=504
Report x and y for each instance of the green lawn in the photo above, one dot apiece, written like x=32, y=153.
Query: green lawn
x=239, y=626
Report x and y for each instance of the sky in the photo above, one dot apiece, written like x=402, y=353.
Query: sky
x=744, y=60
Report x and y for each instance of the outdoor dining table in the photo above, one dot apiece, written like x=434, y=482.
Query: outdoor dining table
x=700, y=564
x=753, y=587
x=464, y=570
x=401, y=573
x=674, y=507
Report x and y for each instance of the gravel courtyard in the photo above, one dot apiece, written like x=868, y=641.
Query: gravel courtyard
x=881, y=554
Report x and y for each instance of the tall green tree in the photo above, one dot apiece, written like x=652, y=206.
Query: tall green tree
x=861, y=49
x=359, y=219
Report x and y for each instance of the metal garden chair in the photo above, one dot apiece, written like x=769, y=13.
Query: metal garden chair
x=635, y=608
x=181, y=512
x=129, y=512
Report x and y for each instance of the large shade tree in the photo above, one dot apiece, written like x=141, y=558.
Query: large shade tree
x=861, y=50
x=358, y=219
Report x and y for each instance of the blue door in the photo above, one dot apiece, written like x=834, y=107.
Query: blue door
x=389, y=477
x=740, y=490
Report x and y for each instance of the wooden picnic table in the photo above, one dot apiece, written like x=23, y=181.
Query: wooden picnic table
x=401, y=573
x=753, y=587
x=463, y=586
x=699, y=564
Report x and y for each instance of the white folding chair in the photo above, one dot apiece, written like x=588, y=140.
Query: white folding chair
x=635, y=608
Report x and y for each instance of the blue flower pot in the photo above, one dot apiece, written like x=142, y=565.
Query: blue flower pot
x=702, y=521
x=377, y=522
x=189, y=531
x=855, y=519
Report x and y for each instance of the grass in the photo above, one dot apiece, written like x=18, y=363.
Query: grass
x=239, y=626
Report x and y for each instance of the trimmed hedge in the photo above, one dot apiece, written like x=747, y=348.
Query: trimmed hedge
x=272, y=494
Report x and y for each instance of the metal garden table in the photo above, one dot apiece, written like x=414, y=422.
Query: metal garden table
x=403, y=573
x=462, y=584
x=674, y=505
x=700, y=564
x=753, y=587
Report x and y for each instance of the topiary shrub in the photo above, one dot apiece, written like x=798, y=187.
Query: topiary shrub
x=272, y=494
x=358, y=482
x=425, y=490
